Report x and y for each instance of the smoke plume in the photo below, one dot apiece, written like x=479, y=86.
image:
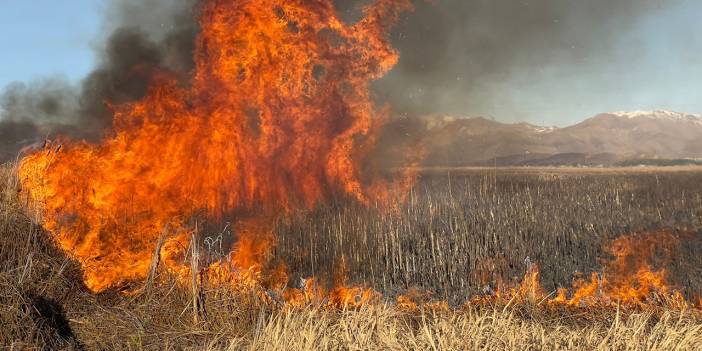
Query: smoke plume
x=141, y=38
x=454, y=56
x=462, y=56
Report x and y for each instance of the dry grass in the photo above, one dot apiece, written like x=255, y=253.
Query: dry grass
x=381, y=328
x=44, y=306
x=467, y=230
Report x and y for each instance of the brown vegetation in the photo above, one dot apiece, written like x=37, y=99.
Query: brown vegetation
x=466, y=229
x=456, y=239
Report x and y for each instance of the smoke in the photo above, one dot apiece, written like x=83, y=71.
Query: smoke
x=28, y=111
x=466, y=56
x=141, y=38
x=146, y=37
x=457, y=56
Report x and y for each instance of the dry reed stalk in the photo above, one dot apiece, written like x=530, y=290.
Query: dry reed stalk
x=194, y=272
x=156, y=259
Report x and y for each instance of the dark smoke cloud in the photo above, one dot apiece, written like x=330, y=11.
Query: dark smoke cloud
x=141, y=37
x=146, y=36
x=456, y=55
x=452, y=52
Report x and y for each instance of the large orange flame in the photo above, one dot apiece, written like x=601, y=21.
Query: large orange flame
x=277, y=115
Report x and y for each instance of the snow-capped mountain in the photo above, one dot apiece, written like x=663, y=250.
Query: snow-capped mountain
x=606, y=138
x=655, y=134
x=660, y=114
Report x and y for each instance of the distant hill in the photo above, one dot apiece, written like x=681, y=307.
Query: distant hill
x=605, y=139
x=617, y=138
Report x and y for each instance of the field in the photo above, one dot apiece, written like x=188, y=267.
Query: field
x=461, y=233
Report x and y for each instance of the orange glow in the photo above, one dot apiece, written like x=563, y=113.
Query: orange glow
x=626, y=280
x=416, y=300
x=277, y=116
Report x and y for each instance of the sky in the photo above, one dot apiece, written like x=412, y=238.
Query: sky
x=663, y=71
x=547, y=62
x=47, y=38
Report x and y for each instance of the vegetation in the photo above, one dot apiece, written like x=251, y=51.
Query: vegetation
x=456, y=235
x=466, y=230
x=660, y=162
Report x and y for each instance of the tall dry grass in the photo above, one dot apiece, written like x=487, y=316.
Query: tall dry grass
x=382, y=328
x=461, y=232
x=45, y=306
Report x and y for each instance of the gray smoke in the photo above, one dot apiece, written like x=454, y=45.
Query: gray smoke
x=457, y=55
x=146, y=36
x=142, y=37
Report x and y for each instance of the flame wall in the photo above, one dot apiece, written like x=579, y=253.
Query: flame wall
x=277, y=115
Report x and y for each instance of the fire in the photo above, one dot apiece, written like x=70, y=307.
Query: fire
x=628, y=279
x=277, y=115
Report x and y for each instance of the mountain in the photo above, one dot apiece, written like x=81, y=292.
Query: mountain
x=605, y=139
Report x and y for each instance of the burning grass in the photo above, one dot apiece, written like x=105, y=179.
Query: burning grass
x=276, y=116
x=245, y=208
x=469, y=231
x=45, y=303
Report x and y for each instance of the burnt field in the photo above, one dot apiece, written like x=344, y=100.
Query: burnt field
x=462, y=232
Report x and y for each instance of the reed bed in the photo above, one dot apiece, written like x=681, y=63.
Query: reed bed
x=459, y=233
x=450, y=238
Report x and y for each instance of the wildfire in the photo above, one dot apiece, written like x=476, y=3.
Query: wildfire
x=277, y=116
x=626, y=280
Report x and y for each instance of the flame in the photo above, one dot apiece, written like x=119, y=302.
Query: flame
x=627, y=279
x=342, y=295
x=415, y=300
x=277, y=116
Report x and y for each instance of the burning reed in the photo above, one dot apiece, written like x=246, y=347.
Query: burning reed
x=277, y=116
x=463, y=236
x=45, y=303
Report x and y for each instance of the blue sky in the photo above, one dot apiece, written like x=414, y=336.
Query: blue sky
x=44, y=38
x=662, y=71
x=47, y=38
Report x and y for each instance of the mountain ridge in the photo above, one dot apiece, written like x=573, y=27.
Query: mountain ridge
x=604, y=139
